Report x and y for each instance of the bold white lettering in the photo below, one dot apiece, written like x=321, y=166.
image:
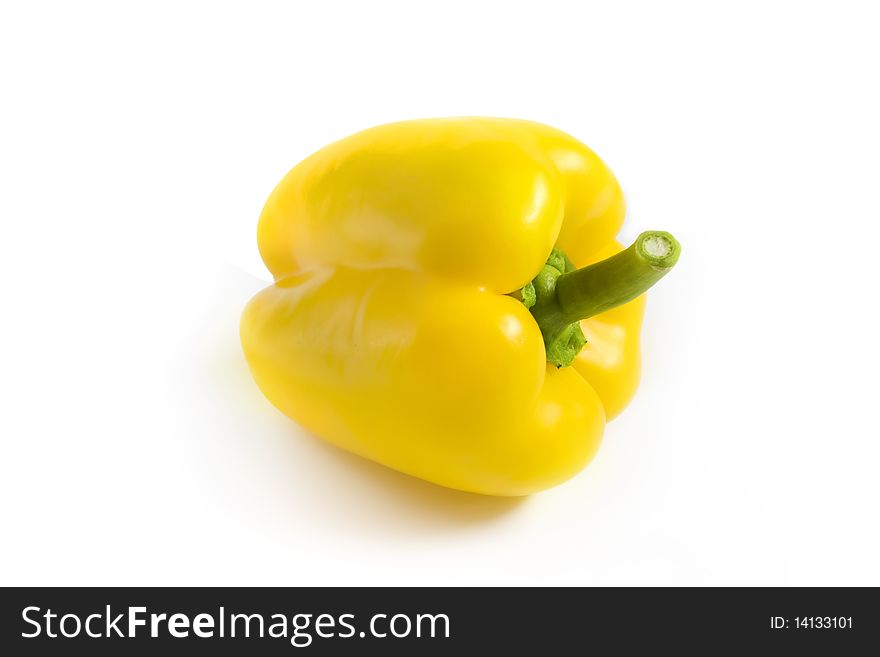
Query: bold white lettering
x=203, y=626
x=178, y=625
x=134, y=621
x=155, y=619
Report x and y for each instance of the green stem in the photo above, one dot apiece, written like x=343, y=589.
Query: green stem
x=591, y=290
x=566, y=297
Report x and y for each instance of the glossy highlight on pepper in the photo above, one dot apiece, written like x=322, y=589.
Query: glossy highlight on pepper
x=450, y=301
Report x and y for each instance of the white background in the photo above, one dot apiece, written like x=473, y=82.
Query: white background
x=138, y=143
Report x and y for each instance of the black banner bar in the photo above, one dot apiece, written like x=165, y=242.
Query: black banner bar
x=185, y=621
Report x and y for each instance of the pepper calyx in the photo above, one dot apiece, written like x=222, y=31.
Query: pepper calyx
x=562, y=340
x=561, y=296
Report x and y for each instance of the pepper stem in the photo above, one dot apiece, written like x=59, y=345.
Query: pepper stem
x=565, y=297
x=609, y=283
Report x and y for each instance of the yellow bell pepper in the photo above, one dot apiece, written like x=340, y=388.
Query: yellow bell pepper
x=427, y=305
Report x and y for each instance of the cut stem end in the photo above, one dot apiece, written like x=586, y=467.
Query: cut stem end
x=659, y=248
